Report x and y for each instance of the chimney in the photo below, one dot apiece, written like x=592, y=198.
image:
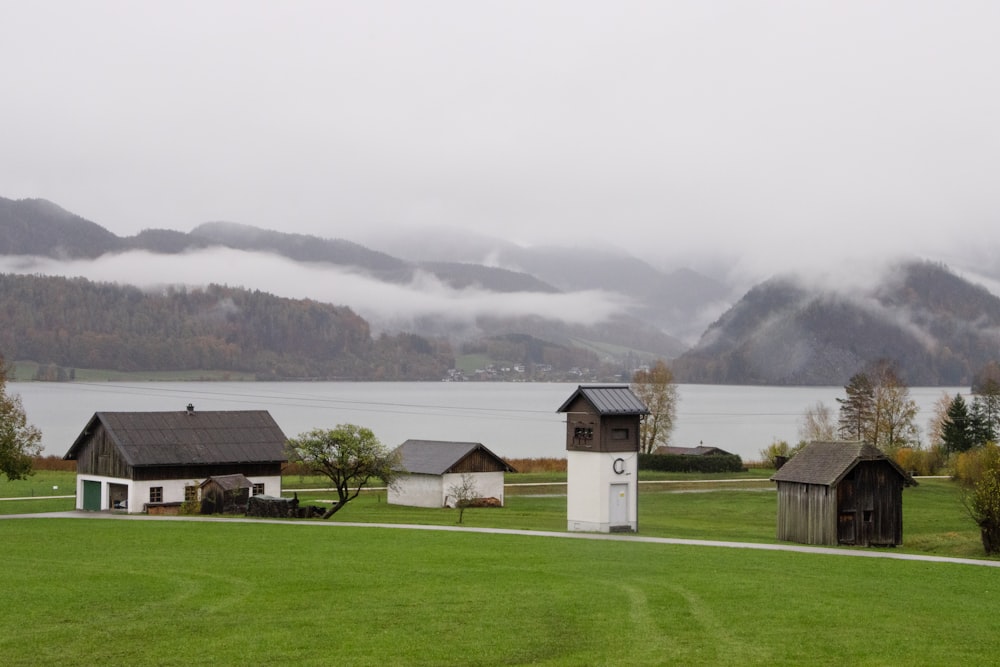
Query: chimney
x=190, y=408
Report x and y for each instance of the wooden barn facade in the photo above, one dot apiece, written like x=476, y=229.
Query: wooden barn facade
x=432, y=467
x=841, y=493
x=152, y=461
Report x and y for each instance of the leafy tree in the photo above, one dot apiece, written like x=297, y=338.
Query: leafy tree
x=982, y=422
x=656, y=388
x=349, y=455
x=956, y=430
x=817, y=424
x=19, y=440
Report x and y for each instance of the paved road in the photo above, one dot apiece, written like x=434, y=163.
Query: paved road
x=617, y=537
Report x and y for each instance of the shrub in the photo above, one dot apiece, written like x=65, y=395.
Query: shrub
x=982, y=500
x=779, y=448
x=920, y=461
x=538, y=465
x=690, y=463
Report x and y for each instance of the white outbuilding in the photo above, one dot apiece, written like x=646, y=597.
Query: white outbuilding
x=432, y=469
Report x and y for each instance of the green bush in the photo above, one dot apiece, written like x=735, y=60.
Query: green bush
x=690, y=463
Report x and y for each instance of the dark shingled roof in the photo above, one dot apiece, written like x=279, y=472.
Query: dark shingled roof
x=190, y=437
x=437, y=457
x=608, y=400
x=229, y=482
x=827, y=463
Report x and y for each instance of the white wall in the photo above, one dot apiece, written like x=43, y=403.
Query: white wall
x=432, y=490
x=589, y=476
x=417, y=491
x=173, y=489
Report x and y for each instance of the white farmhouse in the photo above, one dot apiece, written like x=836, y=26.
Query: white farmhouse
x=433, y=467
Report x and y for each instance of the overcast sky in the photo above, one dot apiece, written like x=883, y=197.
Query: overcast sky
x=780, y=131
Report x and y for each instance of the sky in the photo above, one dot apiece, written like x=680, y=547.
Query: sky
x=772, y=134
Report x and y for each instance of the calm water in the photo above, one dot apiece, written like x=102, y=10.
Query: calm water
x=513, y=419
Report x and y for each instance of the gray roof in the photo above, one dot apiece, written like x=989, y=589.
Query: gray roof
x=189, y=437
x=229, y=482
x=437, y=457
x=608, y=400
x=826, y=463
x=700, y=450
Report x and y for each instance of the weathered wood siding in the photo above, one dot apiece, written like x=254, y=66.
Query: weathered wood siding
x=478, y=461
x=602, y=430
x=807, y=513
x=870, y=506
x=99, y=456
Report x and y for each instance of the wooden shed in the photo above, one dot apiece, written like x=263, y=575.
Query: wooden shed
x=154, y=461
x=225, y=494
x=432, y=467
x=841, y=493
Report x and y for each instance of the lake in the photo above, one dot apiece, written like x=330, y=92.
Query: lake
x=515, y=420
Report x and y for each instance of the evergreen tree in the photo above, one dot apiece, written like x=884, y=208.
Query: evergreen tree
x=956, y=431
x=857, y=408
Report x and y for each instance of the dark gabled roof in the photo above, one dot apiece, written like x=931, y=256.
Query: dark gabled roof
x=700, y=450
x=229, y=482
x=437, y=457
x=608, y=400
x=826, y=463
x=189, y=437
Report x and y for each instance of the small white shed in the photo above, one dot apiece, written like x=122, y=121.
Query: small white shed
x=432, y=467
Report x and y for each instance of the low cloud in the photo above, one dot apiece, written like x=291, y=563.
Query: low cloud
x=379, y=302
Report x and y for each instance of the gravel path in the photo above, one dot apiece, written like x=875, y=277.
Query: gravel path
x=617, y=537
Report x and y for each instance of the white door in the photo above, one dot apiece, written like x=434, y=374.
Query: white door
x=618, y=513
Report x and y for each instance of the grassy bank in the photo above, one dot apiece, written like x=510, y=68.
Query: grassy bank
x=670, y=505
x=175, y=593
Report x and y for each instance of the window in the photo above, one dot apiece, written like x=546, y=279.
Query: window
x=156, y=494
x=583, y=433
x=619, y=434
x=258, y=489
x=190, y=493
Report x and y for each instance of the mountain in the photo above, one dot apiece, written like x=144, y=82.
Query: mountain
x=36, y=227
x=938, y=328
x=39, y=227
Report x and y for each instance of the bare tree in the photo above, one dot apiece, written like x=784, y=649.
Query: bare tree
x=817, y=424
x=464, y=493
x=656, y=388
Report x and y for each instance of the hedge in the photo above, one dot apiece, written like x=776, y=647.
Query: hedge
x=691, y=463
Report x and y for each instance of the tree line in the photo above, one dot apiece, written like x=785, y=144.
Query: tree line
x=75, y=323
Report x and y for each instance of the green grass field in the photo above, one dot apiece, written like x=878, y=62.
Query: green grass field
x=119, y=592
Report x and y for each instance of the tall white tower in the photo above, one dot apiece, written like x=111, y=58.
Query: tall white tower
x=602, y=458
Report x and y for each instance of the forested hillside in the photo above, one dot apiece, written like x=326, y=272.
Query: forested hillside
x=75, y=323
x=937, y=327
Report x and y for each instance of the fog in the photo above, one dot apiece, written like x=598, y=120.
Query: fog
x=768, y=135
x=376, y=301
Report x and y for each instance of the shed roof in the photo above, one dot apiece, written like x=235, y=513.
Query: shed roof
x=229, y=482
x=826, y=463
x=700, y=450
x=608, y=400
x=437, y=457
x=189, y=437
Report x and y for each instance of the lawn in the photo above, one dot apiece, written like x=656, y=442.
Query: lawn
x=123, y=592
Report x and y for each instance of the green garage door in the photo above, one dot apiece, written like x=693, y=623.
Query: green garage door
x=91, y=495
